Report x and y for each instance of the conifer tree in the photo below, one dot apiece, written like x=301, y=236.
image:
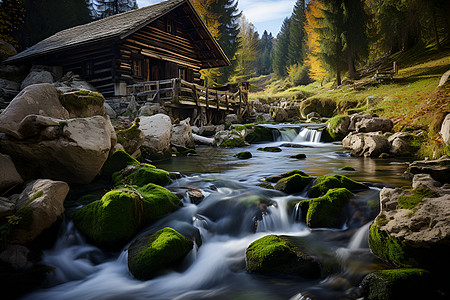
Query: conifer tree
x=248, y=52
x=280, y=59
x=265, y=49
x=296, y=34
x=105, y=8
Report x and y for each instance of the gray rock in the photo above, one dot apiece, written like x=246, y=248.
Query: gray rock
x=7, y=206
x=157, y=130
x=445, y=130
x=425, y=180
x=232, y=119
x=44, y=199
x=6, y=50
x=17, y=257
x=444, y=78
x=438, y=169
x=182, y=135
x=110, y=111
x=9, y=85
x=8, y=173
x=207, y=130
x=366, y=144
x=355, y=118
x=71, y=81
x=37, y=77
x=374, y=124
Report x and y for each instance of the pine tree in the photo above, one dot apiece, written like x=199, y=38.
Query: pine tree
x=12, y=14
x=248, y=52
x=265, y=49
x=280, y=59
x=105, y=8
x=296, y=34
x=46, y=17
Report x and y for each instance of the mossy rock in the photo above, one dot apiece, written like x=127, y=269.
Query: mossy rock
x=298, y=156
x=234, y=143
x=116, y=162
x=243, y=155
x=333, y=127
x=142, y=176
x=260, y=134
x=276, y=178
x=83, y=103
x=270, y=149
x=347, y=168
x=274, y=254
x=324, y=183
x=149, y=255
x=399, y=284
x=266, y=185
x=293, y=184
x=113, y=220
x=326, y=211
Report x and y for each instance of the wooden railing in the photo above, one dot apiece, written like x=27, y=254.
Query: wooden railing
x=180, y=93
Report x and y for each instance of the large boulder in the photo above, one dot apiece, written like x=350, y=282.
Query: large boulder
x=279, y=114
x=374, y=124
x=112, y=221
x=413, y=228
x=71, y=82
x=366, y=144
x=37, y=77
x=83, y=103
x=182, y=135
x=72, y=150
x=259, y=134
x=278, y=254
x=8, y=173
x=157, y=130
x=438, y=169
x=328, y=210
x=293, y=184
x=276, y=178
x=355, y=118
x=142, y=175
x=338, y=127
x=445, y=130
x=324, y=183
x=38, y=207
x=324, y=107
x=229, y=139
x=151, y=254
x=131, y=138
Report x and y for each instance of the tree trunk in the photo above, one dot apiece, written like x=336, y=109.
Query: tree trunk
x=351, y=65
x=436, y=33
x=338, y=77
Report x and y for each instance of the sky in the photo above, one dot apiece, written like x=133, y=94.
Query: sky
x=264, y=14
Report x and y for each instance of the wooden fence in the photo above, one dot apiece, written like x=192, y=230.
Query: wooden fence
x=182, y=94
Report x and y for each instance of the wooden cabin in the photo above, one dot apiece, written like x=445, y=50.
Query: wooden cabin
x=162, y=41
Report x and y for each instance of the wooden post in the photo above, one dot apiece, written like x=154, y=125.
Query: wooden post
x=226, y=100
x=158, y=96
x=175, y=90
x=207, y=105
x=217, y=100
x=395, y=67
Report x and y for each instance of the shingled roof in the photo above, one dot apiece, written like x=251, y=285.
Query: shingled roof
x=116, y=26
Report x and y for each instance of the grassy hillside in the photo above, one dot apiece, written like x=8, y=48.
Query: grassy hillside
x=412, y=99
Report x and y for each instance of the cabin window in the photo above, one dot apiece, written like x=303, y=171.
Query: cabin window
x=87, y=69
x=182, y=73
x=169, y=27
x=138, y=68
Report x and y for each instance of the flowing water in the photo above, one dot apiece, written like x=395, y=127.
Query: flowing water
x=227, y=225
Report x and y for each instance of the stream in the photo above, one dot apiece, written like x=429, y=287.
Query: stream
x=216, y=270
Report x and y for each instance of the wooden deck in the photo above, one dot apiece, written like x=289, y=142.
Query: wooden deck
x=180, y=94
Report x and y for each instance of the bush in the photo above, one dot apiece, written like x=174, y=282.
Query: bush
x=298, y=75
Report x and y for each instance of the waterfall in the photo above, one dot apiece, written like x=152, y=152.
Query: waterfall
x=360, y=239
x=287, y=134
x=308, y=135
x=297, y=213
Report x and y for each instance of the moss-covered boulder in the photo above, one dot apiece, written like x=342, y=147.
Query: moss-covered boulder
x=328, y=210
x=276, y=178
x=337, y=127
x=266, y=185
x=83, y=103
x=276, y=254
x=324, y=107
x=243, y=155
x=293, y=184
x=229, y=139
x=348, y=168
x=113, y=220
x=143, y=175
x=324, y=183
x=259, y=134
x=131, y=138
x=270, y=149
x=116, y=162
x=149, y=255
x=399, y=284
x=298, y=156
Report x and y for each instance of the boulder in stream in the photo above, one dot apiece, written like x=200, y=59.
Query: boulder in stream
x=293, y=184
x=113, y=221
x=276, y=178
x=243, y=155
x=157, y=130
x=328, y=210
x=117, y=162
x=274, y=254
x=366, y=144
x=149, y=255
x=229, y=139
x=131, y=138
x=142, y=175
x=324, y=183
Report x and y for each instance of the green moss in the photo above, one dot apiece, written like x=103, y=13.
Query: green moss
x=266, y=185
x=234, y=143
x=401, y=274
x=79, y=100
x=144, y=175
x=113, y=220
x=324, y=183
x=270, y=149
x=276, y=178
x=347, y=168
x=116, y=162
x=243, y=155
x=260, y=134
x=154, y=253
x=415, y=197
x=276, y=254
x=243, y=127
x=326, y=211
x=123, y=136
x=383, y=155
x=293, y=184
x=333, y=125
